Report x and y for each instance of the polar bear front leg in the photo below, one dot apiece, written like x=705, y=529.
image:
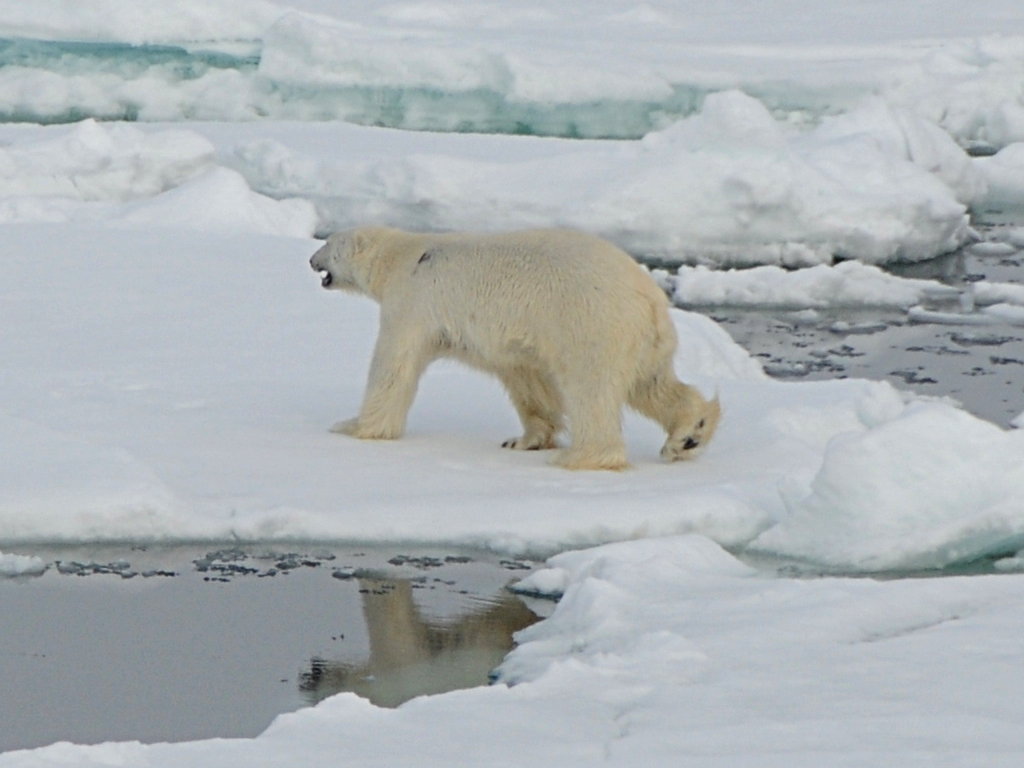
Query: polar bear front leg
x=399, y=359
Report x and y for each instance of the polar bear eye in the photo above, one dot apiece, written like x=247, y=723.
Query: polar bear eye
x=700, y=424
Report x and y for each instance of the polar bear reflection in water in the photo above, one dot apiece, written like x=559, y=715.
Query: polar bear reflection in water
x=411, y=654
x=570, y=324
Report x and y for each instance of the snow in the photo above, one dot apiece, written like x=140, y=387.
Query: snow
x=171, y=365
x=729, y=186
x=130, y=178
x=141, y=425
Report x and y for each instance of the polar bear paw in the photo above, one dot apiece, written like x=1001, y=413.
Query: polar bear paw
x=680, y=448
x=685, y=444
x=347, y=427
x=355, y=428
x=574, y=458
x=530, y=443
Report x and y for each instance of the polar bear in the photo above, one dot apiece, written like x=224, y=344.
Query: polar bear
x=571, y=325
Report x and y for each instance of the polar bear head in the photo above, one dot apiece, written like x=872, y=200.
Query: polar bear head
x=341, y=262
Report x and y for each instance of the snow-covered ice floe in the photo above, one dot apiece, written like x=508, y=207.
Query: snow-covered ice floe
x=540, y=68
x=848, y=284
x=996, y=314
x=729, y=186
x=165, y=385
x=124, y=177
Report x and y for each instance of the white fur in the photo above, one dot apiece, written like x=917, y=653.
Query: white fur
x=570, y=324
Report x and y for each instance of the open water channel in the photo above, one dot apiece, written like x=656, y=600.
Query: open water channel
x=121, y=643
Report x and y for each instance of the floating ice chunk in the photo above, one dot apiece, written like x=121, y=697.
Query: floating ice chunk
x=930, y=488
x=848, y=284
x=991, y=248
x=594, y=614
x=857, y=329
x=969, y=87
x=683, y=558
x=996, y=314
x=1004, y=177
x=919, y=314
x=1008, y=313
x=986, y=292
x=20, y=565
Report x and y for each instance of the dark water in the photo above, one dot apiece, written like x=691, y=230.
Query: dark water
x=982, y=367
x=181, y=644
x=412, y=653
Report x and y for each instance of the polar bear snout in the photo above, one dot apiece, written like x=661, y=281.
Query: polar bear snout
x=318, y=262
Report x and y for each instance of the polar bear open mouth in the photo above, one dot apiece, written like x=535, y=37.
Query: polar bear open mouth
x=326, y=278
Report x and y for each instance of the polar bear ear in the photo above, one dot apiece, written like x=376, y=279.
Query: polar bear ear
x=358, y=255
x=338, y=242
x=358, y=242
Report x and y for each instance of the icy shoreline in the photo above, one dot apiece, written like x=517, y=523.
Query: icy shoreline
x=665, y=649
x=171, y=365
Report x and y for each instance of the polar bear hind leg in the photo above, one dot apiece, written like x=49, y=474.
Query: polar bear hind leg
x=687, y=417
x=594, y=409
x=539, y=405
